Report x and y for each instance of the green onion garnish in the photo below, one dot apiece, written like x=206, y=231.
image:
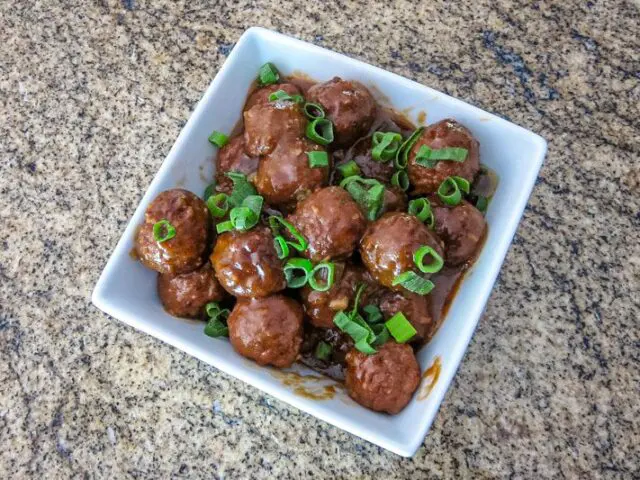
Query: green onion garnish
x=323, y=351
x=282, y=247
x=358, y=330
x=385, y=145
x=163, y=231
x=210, y=190
x=421, y=208
x=402, y=155
x=218, y=139
x=299, y=243
x=318, y=159
x=436, y=263
x=428, y=157
x=382, y=334
x=242, y=188
x=372, y=314
x=297, y=271
x=400, y=179
x=449, y=190
x=413, y=282
x=367, y=192
x=320, y=130
x=482, y=203
x=313, y=111
x=247, y=216
x=217, y=324
x=400, y=328
x=326, y=270
x=224, y=227
x=268, y=74
x=349, y=169
x=282, y=96
x=218, y=205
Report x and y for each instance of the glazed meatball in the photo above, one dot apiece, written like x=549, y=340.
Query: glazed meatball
x=285, y=176
x=349, y=105
x=461, y=228
x=232, y=158
x=321, y=307
x=389, y=243
x=190, y=217
x=267, y=124
x=186, y=295
x=384, y=381
x=416, y=308
x=446, y=133
x=331, y=222
x=246, y=263
x=261, y=96
x=267, y=330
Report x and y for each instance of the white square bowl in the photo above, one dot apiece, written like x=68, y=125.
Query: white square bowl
x=127, y=291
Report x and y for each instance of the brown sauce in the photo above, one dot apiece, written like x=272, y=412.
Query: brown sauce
x=307, y=386
x=430, y=378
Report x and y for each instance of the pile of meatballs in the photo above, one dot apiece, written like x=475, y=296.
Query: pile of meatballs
x=272, y=324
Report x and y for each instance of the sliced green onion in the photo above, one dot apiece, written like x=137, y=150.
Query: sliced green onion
x=370, y=199
x=163, y=231
x=449, y=190
x=400, y=179
x=218, y=205
x=358, y=330
x=297, y=272
x=299, y=243
x=421, y=208
x=282, y=247
x=247, y=216
x=349, y=169
x=436, y=263
x=463, y=184
x=318, y=159
x=242, y=188
x=218, y=139
x=413, y=282
x=320, y=131
x=216, y=328
x=402, y=155
x=428, y=157
x=210, y=190
x=212, y=309
x=224, y=226
x=268, y=74
x=323, y=351
x=385, y=145
x=373, y=314
x=356, y=301
x=382, y=334
x=326, y=270
x=400, y=328
x=482, y=203
x=282, y=96
x=313, y=110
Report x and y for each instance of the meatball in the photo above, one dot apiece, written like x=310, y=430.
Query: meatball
x=267, y=330
x=394, y=200
x=261, y=96
x=331, y=222
x=349, y=105
x=285, y=177
x=267, y=124
x=187, y=294
x=416, y=308
x=232, y=158
x=190, y=217
x=446, y=133
x=384, y=381
x=461, y=228
x=246, y=263
x=389, y=243
x=321, y=307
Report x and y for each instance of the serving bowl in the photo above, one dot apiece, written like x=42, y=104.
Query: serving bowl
x=126, y=290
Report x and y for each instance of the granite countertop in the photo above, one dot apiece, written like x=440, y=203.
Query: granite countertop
x=93, y=97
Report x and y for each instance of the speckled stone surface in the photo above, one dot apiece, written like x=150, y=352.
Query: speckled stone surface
x=92, y=96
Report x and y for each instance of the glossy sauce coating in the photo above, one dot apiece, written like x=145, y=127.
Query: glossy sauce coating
x=267, y=124
x=260, y=96
x=267, y=330
x=246, y=263
x=233, y=158
x=185, y=251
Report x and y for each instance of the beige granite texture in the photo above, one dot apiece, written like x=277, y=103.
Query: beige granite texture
x=94, y=93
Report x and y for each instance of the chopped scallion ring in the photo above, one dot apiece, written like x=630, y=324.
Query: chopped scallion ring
x=436, y=263
x=326, y=270
x=299, y=243
x=323, y=351
x=382, y=334
x=318, y=159
x=385, y=145
x=268, y=74
x=428, y=157
x=218, y=205
x=370, y=199
x=281, y=246
x=246, y=216
x=421, y=208
x=320, y=130
x=224, y=227
x=242, y=188
x=400, y=179
x=482, y=203
x=402, y=155
x=373, y=314
x=282, y=96
x=400, y=328
x=210, y=190
x=218, y=139
x=449, y=190
x=163, y=231
x=349, y=169
x=413, y=282
x=297, y=272
x=216, y=326
x=313, y=110
x=361, y=333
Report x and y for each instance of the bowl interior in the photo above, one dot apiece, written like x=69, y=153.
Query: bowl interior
x=127, y=290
